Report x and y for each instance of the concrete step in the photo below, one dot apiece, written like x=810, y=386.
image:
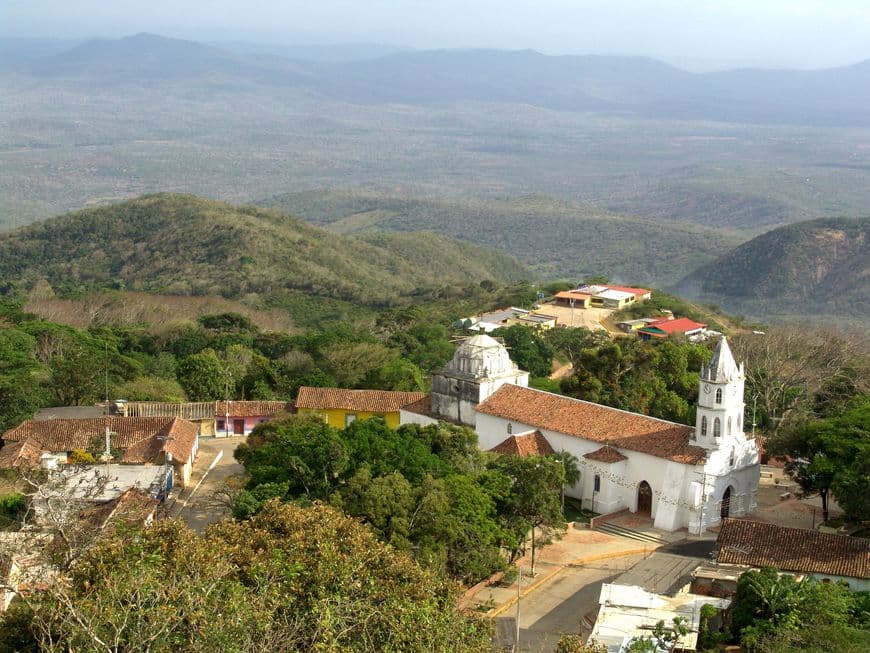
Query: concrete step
x=630, y=533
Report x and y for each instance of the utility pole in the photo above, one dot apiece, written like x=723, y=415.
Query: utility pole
x=516, y=647
x=703, y=501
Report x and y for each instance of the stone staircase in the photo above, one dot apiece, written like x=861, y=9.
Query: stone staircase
x=641, y=536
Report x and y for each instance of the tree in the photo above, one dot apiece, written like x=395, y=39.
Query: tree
x=664, y=637
x=288, y=579
x=533, y=502
x=151, y=388
x=569, y=643
x=528, y=349
x=202, y=376
x=570, y=469
x=837, y=448
x=77, y=376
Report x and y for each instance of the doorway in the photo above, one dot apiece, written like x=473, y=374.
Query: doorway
x=238, y=427
x=725, y=509
x=644, y=499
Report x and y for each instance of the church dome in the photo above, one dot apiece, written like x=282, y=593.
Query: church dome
x=482, y=356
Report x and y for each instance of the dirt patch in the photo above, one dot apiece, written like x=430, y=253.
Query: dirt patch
x=127, y=308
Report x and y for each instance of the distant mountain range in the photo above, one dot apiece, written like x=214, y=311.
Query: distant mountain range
x=185, y=245
x=623, y=85
x=809, y=268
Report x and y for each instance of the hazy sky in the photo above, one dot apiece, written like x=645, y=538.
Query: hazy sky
x=805, y=33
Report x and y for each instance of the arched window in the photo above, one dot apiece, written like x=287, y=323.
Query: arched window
x=740, y=422
x=704, y=425
x=510, y=428
x=718, y=395
x=728, y=426
x=717, y=427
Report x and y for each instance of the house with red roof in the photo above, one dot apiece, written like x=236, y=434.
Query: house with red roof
x=668, y=327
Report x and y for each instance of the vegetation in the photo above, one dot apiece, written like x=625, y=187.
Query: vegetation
x=774, y=613
x=809, y=267
x=423, y=489
x=184, y=245
x=290, y=578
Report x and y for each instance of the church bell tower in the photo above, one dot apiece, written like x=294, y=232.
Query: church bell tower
x=720, y=400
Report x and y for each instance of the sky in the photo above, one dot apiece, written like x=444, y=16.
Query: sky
x=698, y=33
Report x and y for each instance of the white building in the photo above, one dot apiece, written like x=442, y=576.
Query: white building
x=682, y=477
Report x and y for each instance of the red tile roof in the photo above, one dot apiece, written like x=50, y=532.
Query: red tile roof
x=757, y=544
x=25, y=453
x=525, y=444
x=252, y=408
x=141, y=439
x=680, y=325
x=605, y=454
x=373, y=401
x=583, y=419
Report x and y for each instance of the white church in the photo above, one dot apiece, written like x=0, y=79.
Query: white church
x=678, y=475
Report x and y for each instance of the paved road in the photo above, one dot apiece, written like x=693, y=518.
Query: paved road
x=561, y=605
x=203, y=507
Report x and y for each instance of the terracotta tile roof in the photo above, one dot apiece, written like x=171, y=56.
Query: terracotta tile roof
x=132, y=509
x=137, y=437
x=744, y=542
x=422, y=406
x=605, y=454
x=375, y=401
x=525, y=444
x=583, y=419
x=569, y=294
x=25, y=453
x=252, y=408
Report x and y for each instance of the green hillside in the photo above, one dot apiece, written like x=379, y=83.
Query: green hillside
x=186, y=245
x=808, y=268
x=556, y=239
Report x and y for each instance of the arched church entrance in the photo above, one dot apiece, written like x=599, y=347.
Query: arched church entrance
x=644, y=499
x=725, y=509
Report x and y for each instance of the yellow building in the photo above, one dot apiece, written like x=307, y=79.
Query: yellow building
x=339, y=407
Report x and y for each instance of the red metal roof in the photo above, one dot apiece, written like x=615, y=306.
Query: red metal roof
x=633, y=291
x=679, y=325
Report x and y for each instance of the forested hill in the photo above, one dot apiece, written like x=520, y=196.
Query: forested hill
x=806, y=268
x=556, y=239
x=186, y=245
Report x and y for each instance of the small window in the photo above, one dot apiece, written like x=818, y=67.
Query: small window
x=728, y=428
x=718, y=395
x=349, y=419
x=731, y=460
x=221, y=425
x=717, y=427
x=596, y=483
x=704, y=425
x=510, y=428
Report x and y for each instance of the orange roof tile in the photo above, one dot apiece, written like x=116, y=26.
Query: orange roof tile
x=605, y=454
x=583, y=419
x=757, y=544
x=141, y=439
x=524, y=444
x=374, y=401
x=25, y=453
x=252, y=408
x=570, y=294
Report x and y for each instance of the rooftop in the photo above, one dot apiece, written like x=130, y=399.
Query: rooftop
x=605, y=454
x=679, y=325
x=759, y=544
x=141, y=439
x=252, y=408
x=583, y=419
x=374, y=401
x=525, y=444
